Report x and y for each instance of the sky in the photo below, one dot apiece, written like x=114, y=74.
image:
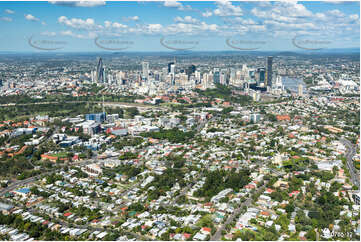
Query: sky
x=87, y=26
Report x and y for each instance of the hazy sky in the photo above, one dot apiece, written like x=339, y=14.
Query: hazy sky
x=154, y=26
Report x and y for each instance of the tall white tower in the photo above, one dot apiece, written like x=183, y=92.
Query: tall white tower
x=145, y=69
x=300, y=90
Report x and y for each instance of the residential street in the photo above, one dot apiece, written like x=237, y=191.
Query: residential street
x=351, y=151
x=217, y=236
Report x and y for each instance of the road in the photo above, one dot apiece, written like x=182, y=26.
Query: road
x=20, y=183
x=217, y=236
x=350, y=152
x=16, y=184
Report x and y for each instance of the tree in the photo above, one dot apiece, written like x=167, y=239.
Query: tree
x=283, y=221
x=334, y=170
x=289, y=208
x=132, y=111
x=206, y=221
x=311, y=235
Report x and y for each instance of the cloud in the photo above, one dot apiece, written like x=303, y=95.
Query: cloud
x=70, y=33
x=109, y=24
x=354, y=17
x=285, y=18
x=225, y=8
x=90, y=35
x=145, y=29
x=154, y=28
x=239, y=20
x=172, y=4
x=131, y=18
x=268, y=20
x=321, y=16
x=264, y=4
x=8, y=11
x=176, y=4
x=30, y=17
x=6, y=19
x=288, y=11
x=295, y=26
x=207, y=14
x=78, y=23
x=46, y=33
x=194, y=28
x=186, y=19
x=79, y=3
x=337, y=13
x=341, y=2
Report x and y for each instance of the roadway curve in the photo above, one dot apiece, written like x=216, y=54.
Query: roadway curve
x=350, y=152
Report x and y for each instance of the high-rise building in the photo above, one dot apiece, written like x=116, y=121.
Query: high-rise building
x=300, y=90
x=120, y=77
x=232, y=76
x=197, y=75
x=110, y=79
x=190, y=70
x=169, y=66
x=255, y=117
x=100, y=71
x=216, y=76
x=93, y=75
x=223, y=78
x=260, y=74
x=164, y=73
x=145, y=69
x=172, y=69
x=205, y=80
x=269, y=71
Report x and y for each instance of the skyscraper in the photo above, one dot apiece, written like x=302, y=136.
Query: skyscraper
x=172, y=69
x=216, y=76
x=190, y=70
x=169, y=66
x=300, y=90
x=93, y=75
x=232, y=76
x=100, y=71
x=269, y=71
x=110, y=79
x=260, y=75
x=145, y=69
